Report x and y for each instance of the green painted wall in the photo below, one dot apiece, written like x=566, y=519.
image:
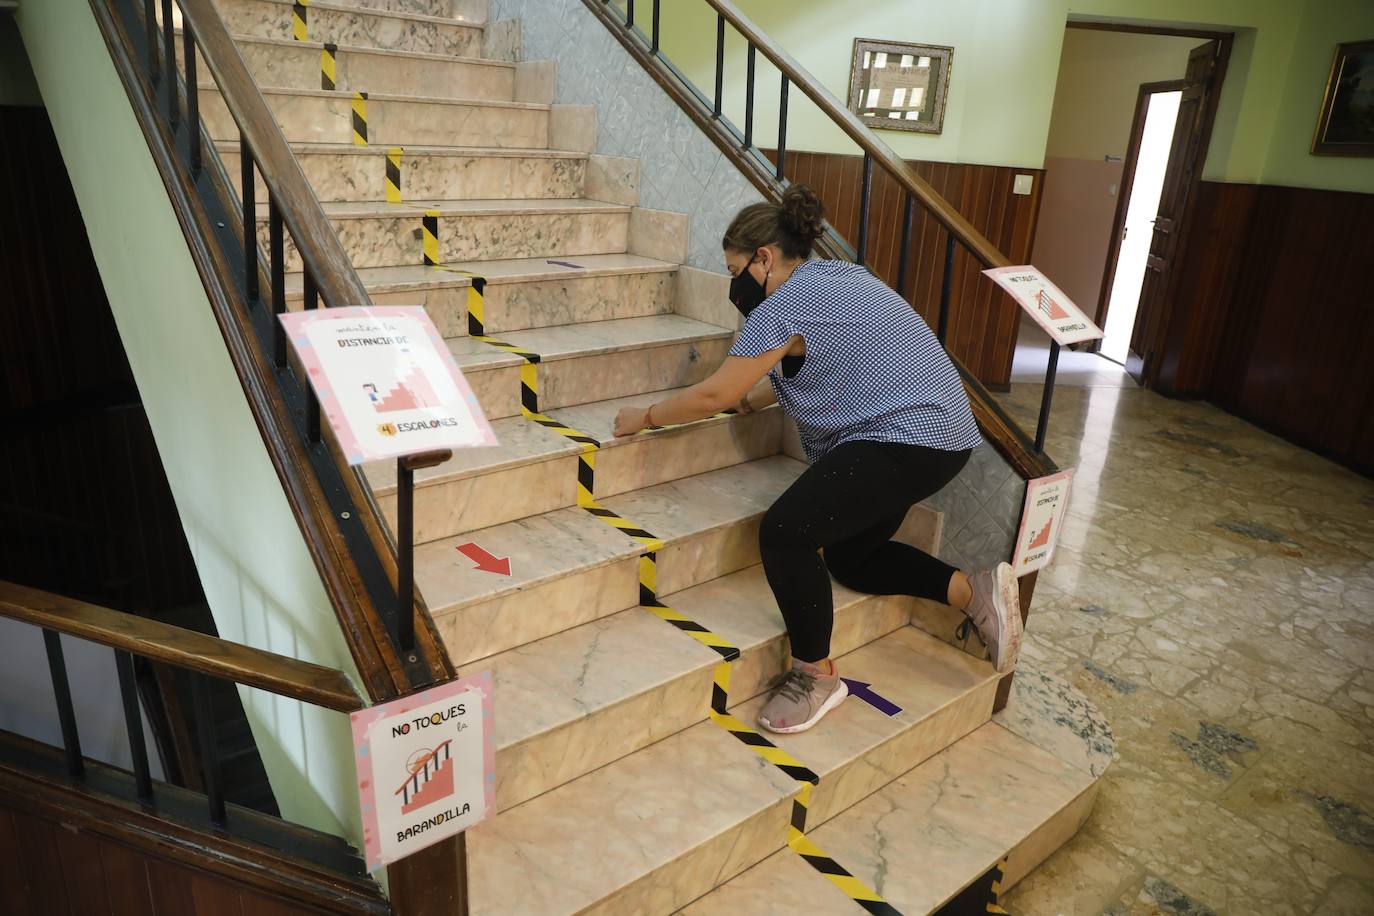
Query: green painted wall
x=258, y=577
x=1006, y=61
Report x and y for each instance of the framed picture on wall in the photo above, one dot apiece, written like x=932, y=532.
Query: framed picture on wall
x=895, y=85
x=1345, y=126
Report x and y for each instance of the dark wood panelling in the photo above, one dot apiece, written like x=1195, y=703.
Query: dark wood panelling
x=983, y=320
x=1274, y=318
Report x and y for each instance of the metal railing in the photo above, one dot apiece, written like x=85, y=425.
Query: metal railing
x=355, y=553
x=620, y=17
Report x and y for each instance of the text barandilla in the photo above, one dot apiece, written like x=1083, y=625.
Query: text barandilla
x=415, y=830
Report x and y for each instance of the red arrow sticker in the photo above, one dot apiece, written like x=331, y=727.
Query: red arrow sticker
x=484, y=560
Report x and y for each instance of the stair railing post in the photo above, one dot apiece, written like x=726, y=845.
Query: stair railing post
x=904, y=258
x=782, y=125
x=946, y=287
x=865, y=199
x=209, y=747
x=62, y=692
x=150, y=27
x=1043, y=424
x=749, y=96
x=248, y=194
x=170, y=60
x=720, y=64
x=406, y=466
x=192, y=97
x=277, y=255
x=133, y=723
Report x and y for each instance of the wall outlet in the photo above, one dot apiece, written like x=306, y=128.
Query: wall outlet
x=1022, y=184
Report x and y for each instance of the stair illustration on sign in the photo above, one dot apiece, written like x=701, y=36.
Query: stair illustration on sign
x=412, y=391
x=1042, y=538
x=430, y=779
x=1051, y=308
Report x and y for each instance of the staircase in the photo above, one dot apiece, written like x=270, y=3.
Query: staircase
x=623, y=783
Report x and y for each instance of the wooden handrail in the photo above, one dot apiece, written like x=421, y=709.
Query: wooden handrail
x=988, y=254
x=183, y=648
x=314, y=237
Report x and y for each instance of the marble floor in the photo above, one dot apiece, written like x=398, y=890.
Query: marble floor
x=1214, y=596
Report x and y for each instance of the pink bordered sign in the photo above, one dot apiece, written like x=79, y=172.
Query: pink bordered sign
x=386, y=382
x=426, y=767
x=1046, y=303
x=1047, y=498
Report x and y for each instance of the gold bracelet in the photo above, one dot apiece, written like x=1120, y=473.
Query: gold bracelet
x=649, y=417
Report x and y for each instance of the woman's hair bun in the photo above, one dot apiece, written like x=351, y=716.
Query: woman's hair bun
x=802, y=213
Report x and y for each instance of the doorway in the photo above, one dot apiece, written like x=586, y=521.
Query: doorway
x=1142, y=183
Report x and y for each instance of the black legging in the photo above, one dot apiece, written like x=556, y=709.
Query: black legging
x=849, y=504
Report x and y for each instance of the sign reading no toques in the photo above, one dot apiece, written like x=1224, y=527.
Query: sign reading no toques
x=1046, y=303
x=1046, y=500
x=426, y=767
x=386, y=381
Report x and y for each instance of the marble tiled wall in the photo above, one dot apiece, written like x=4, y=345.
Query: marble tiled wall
x=681, y=170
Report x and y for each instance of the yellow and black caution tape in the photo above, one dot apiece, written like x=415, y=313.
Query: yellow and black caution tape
x=329, y=66
x=393, y=175
x=360, y=119
x=648, y=598
x=299, y=30
x=994, y=904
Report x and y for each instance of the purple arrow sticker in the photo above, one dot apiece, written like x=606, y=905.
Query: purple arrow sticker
x=866, y=693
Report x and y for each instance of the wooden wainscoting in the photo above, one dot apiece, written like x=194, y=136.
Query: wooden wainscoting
x=1274, y=319
x=983, y=320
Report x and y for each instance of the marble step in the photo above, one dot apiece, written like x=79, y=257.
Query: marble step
x=676, y=818
x=378, y=234
x=470, y=10
x=534, y=469
x=356, y=25
x=294, y=64
x=523, y=293
x=1018, y=786
x=340, y=173
x=565, y=572
x=595, y=361
x=320, y=116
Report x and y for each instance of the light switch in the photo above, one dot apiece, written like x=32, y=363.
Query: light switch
x=1022, y=184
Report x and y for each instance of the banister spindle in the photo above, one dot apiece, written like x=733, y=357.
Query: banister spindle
x=133, y=724
x=150, y=29
x=629, y=15
x=1042, y=425
x=192, y=97
x=782, y=126
x=276, y=244
x=749, y=96
x=62, y=692
x=946, y=285
x=209, y=746
x=865, y=199
x=249, y=194
x=311, y=297
x=904, y=258
x=720, y=63
x=170, y=60
x=653, y=44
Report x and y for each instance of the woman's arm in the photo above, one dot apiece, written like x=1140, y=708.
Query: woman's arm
x=727, y=385
x=760, y=396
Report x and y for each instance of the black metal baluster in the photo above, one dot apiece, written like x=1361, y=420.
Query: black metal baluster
x=720, y=63
x=133, y=722
x=904, y=258
x=749, y=97
x=276, y=244
x=1043, y=424
x=150, y=25
x=942, y=329
x=192, y=97
x=209, y=748
x=248, y=182
x=405, y=555
x=312, y=410
x=653, y=46
x=62, y=692
x=170, y=59
x=865, y=196
x=630, y=14
x=782, y=126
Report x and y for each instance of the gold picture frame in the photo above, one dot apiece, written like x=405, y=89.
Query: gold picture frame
x=1345, y=126
x=896, y=85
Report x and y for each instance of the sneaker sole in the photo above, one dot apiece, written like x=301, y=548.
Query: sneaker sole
x=1009, y=619
x=830, y=703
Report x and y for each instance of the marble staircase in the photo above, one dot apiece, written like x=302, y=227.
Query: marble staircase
x=616, y=791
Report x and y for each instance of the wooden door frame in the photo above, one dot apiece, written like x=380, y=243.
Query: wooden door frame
x=1123, y=196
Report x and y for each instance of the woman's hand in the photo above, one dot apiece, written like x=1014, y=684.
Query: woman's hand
x=630, y=420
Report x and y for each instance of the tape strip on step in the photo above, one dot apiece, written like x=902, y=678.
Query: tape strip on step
x=329, y=66
x=648, y=597
x=393, y=175
x=299, y=29
x=360, y=119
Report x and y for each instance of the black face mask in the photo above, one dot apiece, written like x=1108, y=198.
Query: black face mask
x=746, y=292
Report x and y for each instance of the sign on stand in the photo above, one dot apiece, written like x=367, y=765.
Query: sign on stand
x=386, y=381
x=426, y=767
x=1046, y=303
x=1047, y=498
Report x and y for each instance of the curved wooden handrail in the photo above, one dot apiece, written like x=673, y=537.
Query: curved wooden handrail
x=977, y=244
x=183, y=648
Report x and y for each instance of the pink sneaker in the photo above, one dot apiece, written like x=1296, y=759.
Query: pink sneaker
x=996, y=611
x=801, y=697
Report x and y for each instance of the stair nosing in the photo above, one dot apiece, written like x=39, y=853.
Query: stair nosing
x=346, y=95
x=386, y=14
x=364, y=49
x=549, y=207
x=321, y=148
